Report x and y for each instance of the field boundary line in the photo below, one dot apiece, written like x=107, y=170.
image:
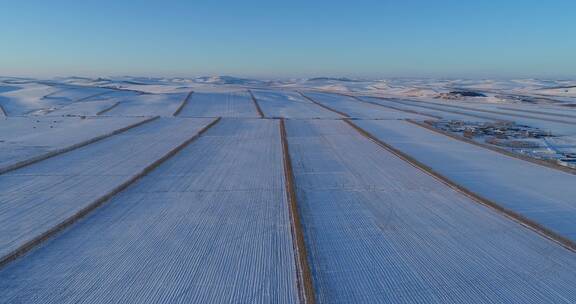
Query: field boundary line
x=3, y=112
x=108, y=108
x=484, y=111
x=345, y=115
x=420, y=105
x=92, y=96
x=57, y=152
x=183, y=104
x=304, y=274
x=25, y=248
x=516, y=217
x=390, y=107
x=256, y=104
x=538, y=112
x=539, y=162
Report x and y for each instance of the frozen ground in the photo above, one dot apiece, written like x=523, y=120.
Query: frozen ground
x=101, y=201
x=290, y=105
x=488, y=173
x=40, y=196
x=210, y=226
x=220, y=104
x=26, y=138
x=381, y=231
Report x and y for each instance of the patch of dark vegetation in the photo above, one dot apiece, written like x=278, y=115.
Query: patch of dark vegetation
x=467, y=94
x=459, y=94
x=344, y=79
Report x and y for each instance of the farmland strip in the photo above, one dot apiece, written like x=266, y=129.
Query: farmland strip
x=305, y=283
x=391, y=107
x=422, y=105
x=57, y=152
x=210, y=225
x=490, y=111
x=548, y=164
x=325, y=106
x=539, y=228
x=379, y=230
x=285, y=104
x=31, y=244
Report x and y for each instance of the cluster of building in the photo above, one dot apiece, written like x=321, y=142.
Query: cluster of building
x=511, y=136
x=502, y=130
x=568, y=160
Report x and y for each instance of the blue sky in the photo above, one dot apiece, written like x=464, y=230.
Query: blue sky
x=363, y=38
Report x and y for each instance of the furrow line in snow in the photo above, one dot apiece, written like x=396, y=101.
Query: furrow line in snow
x=355, y=109
x=3, y=112
x=536, y=161
x=324, y=106
x=493, y=112
x=418, y=104
x=390, y=107
x=108, y=109
x=56, y=152
x=539, y=112
x=567, y=243
x=258, y=109
x=305, y=285
x=26, y=247
x=92, y=96
x=183, y=104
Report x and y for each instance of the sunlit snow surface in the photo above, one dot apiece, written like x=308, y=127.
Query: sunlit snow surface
x=197, y=209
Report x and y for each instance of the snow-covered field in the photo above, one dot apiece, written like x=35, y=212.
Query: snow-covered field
x=25, y=138
x=209, y=226
x=220, y=104
x=290, y=105
x=381, y=231
x=489, y=174
x=190, y=190
x=40, y=196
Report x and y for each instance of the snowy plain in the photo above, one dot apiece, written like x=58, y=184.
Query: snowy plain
x=196, y=209
x=539, y=193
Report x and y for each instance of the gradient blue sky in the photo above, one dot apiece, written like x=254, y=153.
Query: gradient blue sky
x=363, y=38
